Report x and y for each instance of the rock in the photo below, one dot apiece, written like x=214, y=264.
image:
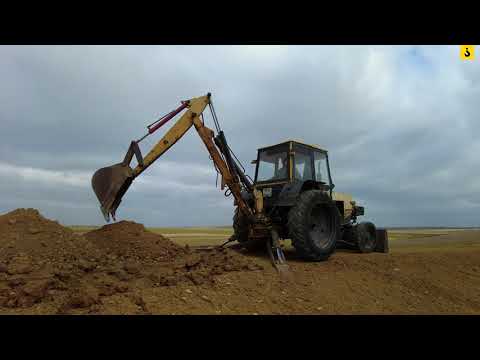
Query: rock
x=12, y=221
x=188, y=291
x=33, y=231
x=3, y=268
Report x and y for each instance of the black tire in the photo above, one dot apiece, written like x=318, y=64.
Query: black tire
x=366, y=237
x=240, y=228
x=314, y=225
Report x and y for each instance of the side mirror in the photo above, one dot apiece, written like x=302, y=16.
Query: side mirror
x=333, y=186
x=253, y=162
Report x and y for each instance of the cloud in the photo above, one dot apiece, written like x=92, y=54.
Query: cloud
x=400, y=124
x=30, y=174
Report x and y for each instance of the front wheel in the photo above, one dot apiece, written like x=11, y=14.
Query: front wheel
x=366, y=237
x=314, y=225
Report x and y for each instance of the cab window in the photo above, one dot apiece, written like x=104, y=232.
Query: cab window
x=303, y=164
x=321, y=168
x=273, y=165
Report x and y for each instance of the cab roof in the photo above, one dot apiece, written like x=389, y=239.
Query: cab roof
x=295, y=142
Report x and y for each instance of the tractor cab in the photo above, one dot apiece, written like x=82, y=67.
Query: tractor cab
x=292, y=161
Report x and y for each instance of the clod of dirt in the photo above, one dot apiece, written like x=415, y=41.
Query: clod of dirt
x=37, y=289
x=131, y=268
x=20, y=265
x=82, y=298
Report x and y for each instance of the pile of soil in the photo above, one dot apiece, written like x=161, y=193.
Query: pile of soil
x=131, y=241
x=48, y=267
x=25, y=230
x=29, y=242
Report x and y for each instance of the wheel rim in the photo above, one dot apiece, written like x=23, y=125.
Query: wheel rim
x=321, y=226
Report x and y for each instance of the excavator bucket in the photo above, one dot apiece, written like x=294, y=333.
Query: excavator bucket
x=110, y=184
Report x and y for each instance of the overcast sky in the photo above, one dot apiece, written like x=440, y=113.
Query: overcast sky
x=400, y=122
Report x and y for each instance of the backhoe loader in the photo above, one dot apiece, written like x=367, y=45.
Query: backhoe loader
x=291, y=196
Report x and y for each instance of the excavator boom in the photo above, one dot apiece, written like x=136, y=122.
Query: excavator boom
x=111, y=183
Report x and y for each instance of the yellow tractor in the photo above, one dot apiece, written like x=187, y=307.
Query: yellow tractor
x=291, y=196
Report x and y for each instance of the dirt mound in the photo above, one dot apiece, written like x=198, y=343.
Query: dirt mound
x=131, y=241
x=47, y=266
x=37, y=256
x=30, y=240
x=27, y=230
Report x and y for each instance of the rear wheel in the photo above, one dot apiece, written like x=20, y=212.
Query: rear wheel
x=241, y=227
x=314, y=225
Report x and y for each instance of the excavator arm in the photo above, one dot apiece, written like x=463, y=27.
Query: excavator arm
x=111, y=183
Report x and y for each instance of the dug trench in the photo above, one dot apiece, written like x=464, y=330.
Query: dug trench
x=122, y=268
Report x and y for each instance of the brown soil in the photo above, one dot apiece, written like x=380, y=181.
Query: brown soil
x=46, y=268
x=124, y=269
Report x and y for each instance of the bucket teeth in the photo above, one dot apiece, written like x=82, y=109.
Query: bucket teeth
x=105, y=213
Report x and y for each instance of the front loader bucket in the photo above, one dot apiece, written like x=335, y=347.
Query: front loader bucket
x=110, y=184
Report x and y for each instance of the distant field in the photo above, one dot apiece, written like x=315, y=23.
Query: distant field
x=400, y=239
